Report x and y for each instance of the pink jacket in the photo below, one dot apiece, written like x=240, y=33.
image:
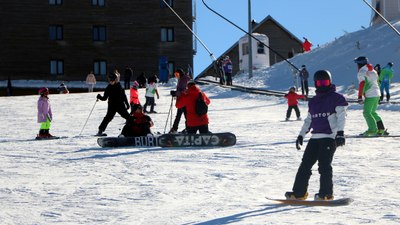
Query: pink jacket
x=44, y=109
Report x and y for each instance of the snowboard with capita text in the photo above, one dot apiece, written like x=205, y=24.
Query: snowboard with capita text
x=330, y=203
x=193, y=140
x=142, y=141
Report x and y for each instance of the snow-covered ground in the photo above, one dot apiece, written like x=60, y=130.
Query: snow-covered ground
x=74, y=181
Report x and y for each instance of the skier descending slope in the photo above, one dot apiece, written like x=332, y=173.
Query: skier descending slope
x=326, y=117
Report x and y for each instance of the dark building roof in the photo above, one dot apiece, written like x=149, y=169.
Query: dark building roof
x=280, y=39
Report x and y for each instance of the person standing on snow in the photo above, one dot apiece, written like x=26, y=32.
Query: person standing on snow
x=44, y=115
x=292, y=97
x=385, y=78
x=134, y=95
x=151, y=91
x=304, y=80
x=194, y=122
x=228, y=69
x=117, y=102
x=90, y=81
x=369, y=88
x=181, y=86
x=127, y=77
x=326, y=120
x=306, y=45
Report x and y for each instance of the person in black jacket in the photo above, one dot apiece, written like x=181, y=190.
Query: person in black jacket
x=117, y=102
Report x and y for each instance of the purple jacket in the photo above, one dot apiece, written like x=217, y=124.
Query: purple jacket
x=181, y=86
x=326, y=114
x=44, y=110
x=228, y=67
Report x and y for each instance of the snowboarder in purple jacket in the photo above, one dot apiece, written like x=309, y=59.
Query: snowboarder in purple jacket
x=326, y=120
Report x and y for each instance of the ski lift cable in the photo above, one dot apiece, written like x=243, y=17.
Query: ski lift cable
x=382, y=17
x=291, y=64
x=195, y=35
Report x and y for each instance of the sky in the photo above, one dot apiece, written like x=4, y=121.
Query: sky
x=74, y=181
x=319, y=21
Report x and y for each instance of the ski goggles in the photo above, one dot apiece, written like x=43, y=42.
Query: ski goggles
x=322, y=83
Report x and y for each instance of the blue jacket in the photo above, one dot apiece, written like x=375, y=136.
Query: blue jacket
x=326, y=114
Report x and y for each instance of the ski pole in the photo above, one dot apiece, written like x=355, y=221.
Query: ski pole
x=169, y=114
x=88, y=117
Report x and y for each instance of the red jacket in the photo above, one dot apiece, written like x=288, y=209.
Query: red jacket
x=292, y=98
x=188, y=100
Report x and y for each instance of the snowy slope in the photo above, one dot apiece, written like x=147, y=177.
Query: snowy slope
x=73, y=181
x=379, y=43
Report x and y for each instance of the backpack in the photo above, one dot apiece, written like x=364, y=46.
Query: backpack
x=201, y=106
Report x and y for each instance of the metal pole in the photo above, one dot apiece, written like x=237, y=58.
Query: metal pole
x=88, y=117
x=250, y=43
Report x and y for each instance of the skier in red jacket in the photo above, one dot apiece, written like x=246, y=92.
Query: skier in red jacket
x=188, y=98
x=292, y=97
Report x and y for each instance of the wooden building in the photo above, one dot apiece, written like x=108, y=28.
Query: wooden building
x=280, y=39
x=66, y=39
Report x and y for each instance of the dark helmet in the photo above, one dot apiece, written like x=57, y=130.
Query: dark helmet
x=292, y=88
x=112, y=77
x=322, y=80
x=322, y=75
x=361, y=60
x=43, y=90
x=390, y=64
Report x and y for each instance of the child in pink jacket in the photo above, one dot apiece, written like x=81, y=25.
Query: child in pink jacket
x=44, y=113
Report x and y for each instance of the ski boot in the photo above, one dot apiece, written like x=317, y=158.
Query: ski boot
x=368, y=133
x=327, y=197
x=382, y=132
x=291, y=195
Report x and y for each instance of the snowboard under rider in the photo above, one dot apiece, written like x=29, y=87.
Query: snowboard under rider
x=326, y=120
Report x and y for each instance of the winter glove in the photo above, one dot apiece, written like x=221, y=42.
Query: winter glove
x=98, y=96
x=299, y=142
x=339, y=139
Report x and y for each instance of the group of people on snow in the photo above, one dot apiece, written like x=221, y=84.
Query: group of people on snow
x=325, y=119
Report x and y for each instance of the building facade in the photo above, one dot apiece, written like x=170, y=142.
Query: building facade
x=283, y=42
x=66, y=39
x=390, y=9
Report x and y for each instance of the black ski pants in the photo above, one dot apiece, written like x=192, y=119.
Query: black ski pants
x=289, y=111
x=178, y=116
x=304, y=87
x=111, y=111
x=321, y=150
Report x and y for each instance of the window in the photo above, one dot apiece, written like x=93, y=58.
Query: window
x=98, y=2
x=100, y=67
x=99, y=33
x=56, y=67
x=167, y=34
x=169, y=2
x=56, y=32
x=171, y=68
x=245, y=48
x=260, y=48
x=55, y=2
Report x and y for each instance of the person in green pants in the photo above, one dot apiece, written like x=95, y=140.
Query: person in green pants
x=369, y=89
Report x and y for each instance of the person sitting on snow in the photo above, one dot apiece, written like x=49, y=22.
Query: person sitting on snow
x=138, y=124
